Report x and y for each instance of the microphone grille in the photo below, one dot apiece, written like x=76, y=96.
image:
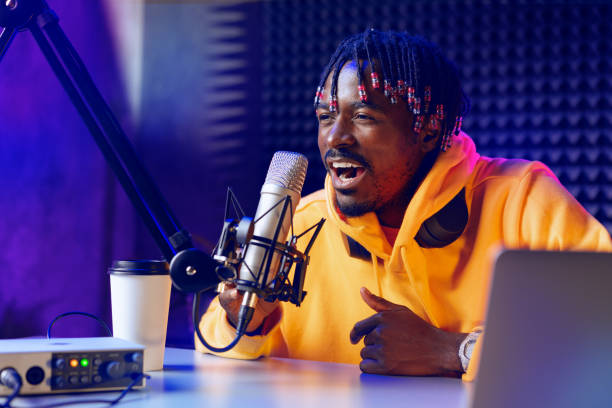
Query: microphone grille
x=288, y=170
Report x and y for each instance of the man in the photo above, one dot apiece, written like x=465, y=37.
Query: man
x=398, y=276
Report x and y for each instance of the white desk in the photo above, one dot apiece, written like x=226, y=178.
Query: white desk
x=191, y=379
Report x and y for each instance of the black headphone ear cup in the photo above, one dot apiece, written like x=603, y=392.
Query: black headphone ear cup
x=445, y=226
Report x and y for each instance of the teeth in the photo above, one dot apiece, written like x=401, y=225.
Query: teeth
x=346, y=171
x=344, y=165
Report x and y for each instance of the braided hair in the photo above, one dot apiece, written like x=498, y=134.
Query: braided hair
x=412, y=69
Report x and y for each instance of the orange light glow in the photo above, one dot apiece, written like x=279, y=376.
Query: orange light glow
x=74, y=363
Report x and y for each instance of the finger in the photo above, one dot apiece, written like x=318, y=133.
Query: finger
x=363, y=327
x=370, y=353
x=376, y=302
x=229, y=298
x=371, y=367
x=372, y=337
x=229, y=294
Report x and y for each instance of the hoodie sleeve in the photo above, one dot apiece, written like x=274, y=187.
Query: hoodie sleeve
x=550, y=218
x=217, y=331
x=541, y=214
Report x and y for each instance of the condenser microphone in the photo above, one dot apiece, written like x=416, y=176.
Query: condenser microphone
x=280, y=195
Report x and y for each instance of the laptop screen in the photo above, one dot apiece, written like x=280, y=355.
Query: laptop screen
x=548, y=335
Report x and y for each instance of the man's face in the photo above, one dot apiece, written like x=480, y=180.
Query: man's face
x=369, y=150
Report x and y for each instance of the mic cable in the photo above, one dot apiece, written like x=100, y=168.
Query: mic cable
x=196, y=328
x=10, y=378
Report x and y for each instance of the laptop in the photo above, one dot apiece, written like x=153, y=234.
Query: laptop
x=548, y=337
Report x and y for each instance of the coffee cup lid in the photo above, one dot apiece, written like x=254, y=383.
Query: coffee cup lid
x=139, y=267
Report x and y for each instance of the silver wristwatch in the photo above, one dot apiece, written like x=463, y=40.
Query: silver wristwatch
x=467, y=347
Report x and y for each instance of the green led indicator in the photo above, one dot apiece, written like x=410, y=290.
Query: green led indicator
x=84, y=362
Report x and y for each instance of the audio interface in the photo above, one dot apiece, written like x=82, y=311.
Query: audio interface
x=61, y=365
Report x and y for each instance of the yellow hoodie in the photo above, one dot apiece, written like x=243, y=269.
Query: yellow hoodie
x=511, y=203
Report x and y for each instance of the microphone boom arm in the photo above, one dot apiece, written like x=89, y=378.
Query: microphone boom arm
x=163, y=226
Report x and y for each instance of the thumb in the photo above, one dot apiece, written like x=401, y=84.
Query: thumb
x=376, y=302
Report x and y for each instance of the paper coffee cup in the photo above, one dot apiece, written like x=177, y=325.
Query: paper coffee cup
x=140, y=298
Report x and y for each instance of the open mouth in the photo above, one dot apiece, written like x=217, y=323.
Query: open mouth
x=346, y=172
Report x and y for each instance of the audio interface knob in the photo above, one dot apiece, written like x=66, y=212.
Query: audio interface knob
x=112, y=370
x=59, y=363
x=135, y=357
x=57, y=382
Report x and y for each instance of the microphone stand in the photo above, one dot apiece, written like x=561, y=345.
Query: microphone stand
x=191, y=270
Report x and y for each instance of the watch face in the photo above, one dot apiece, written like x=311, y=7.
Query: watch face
x=469, y=348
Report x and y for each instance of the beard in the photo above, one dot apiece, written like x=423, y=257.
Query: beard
x=355, y=209
x=350, y=207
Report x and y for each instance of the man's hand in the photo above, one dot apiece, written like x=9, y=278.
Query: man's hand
x=399, y=342
x=230, y=299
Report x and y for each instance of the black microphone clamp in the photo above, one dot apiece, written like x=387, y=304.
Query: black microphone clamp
x=193, y=271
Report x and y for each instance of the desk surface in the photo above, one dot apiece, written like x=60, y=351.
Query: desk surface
x=193, y=379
